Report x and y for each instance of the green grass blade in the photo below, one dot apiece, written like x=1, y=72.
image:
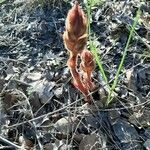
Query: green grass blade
x=1, y=1
x=93, y=47
x=99, y=63
x=123, y=57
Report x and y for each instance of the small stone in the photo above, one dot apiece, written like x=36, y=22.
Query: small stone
x=127, y=135
x=66, y=125
x=147, y=144
x=58, y=92
x=92, y=142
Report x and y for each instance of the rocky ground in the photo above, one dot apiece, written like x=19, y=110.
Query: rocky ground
x=40, y=108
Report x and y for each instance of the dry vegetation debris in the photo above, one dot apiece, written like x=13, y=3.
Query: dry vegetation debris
x=40, y=109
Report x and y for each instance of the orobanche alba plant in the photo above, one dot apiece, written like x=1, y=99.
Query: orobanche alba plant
x=75, y=39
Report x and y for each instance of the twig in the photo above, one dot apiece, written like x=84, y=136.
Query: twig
x=6, y=147
x=34, y=124
x=5, y=87
x=65, y=107
x=9, y=143
x=144, y=42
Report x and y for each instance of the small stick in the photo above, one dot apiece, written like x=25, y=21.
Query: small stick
x=9, y=143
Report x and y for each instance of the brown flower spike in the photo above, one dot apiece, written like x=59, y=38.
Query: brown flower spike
x=75, y=39
x=75, y=36
x=87, y=65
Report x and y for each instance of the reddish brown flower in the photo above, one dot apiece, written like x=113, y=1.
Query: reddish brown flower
x=75, y=36
x=75, y=39
x=87, y=65
x=76, y=22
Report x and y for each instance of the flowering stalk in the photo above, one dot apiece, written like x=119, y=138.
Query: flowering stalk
x=87, y=65
x=72, y=64
x=75, y=39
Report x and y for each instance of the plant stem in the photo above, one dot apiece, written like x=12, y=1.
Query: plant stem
x=123, y=57
x=93, y=47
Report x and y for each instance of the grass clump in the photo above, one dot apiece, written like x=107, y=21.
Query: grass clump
x=89, y=5
x=123, y=57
